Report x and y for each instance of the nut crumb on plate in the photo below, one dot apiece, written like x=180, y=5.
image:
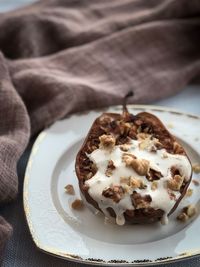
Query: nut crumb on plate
x=195, y=182
x=186, y=213
x=69, y=189
x=190, y=210
x=196, y=167
x=189, y=192
x=182, y=217
x=77, y=204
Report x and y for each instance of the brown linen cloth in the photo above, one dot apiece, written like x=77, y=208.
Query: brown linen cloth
x=60, y=57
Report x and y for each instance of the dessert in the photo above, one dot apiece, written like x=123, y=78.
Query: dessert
x=132, y=169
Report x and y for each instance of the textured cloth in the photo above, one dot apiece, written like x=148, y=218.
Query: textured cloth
x=60, y=57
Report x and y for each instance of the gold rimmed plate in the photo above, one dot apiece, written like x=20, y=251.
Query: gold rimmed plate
x=83, y=236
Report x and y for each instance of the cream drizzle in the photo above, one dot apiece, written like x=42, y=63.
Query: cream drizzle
x=158, y=161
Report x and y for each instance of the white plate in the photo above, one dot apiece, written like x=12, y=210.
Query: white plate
x=84, y=237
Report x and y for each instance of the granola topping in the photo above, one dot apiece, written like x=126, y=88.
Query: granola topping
x=140, y=179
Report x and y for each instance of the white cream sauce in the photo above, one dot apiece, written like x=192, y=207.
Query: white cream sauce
x=160, y=160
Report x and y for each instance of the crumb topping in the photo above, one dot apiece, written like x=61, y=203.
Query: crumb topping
x=69, y=189
x=107, y=141
x=134, y=165
x=187, y=213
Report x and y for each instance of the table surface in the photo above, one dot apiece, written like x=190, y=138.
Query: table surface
x=21, y=251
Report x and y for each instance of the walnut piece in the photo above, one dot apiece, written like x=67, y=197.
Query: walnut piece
x=190, y=210
x=186, y=213
x=125, y=180
x=144, y=144
x=189, y=192
x=107, y=141
x=142, y=136
x=124, y=127
x=175, y=183
x=110, y=168
x=154, y=185
x=195, y=182
x=177, y=148
x=115, y=193
x=196, y=168
x=141, y=166
x=69, y=189
x=137, y=183
x=182, y=217
x=140, y=202
x=125, y=147
x=153, y=175
x=77, y=204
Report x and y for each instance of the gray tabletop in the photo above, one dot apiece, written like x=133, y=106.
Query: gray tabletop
x=21, y=250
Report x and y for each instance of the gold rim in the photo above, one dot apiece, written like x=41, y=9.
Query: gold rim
x=76, y=258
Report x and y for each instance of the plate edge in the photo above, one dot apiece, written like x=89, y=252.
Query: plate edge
x=76, y=258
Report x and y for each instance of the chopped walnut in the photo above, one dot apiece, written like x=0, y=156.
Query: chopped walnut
x=190, y=210
x=182, y=217
x=175, y=183
x=89, y=166
x=137, y=183
x=124, y=127
x=195, y=182
x=125, y=147
x=133, y=132
x=174, y=171
x=189, y=192
x=186, y=213
x=142, y=136
x=125, y=180
x=177, y=148
x=196, y=168
x=128, y=158
x=158, y=144
x=171, y=195
x=154, y=185
x=110, y=168
x=153, y=175
x=77, y=204
x=115, y=193
x=141, y=166
x=144, y=144
x=69, y=189
x=140, y=202
x=107, y=141
x=127, y=188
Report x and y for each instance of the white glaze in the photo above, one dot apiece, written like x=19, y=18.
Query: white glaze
x=160, y=197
